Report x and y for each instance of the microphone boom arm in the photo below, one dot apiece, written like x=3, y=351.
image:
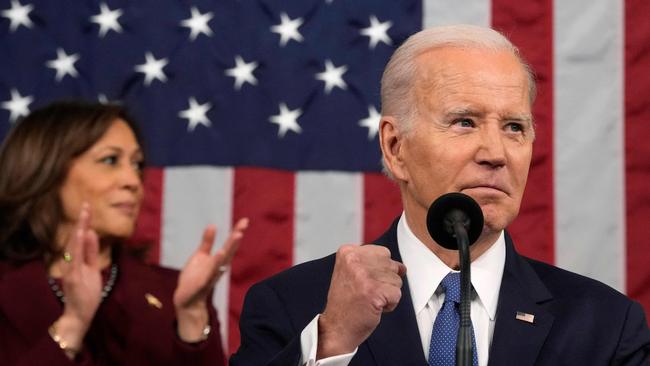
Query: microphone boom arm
x=464, y=340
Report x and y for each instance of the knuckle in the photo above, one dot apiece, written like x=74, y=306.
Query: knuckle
x=398, y=282
x=346, y=248
x=381, y=251
x=394, y=296
x=346, y=252
x=378, y=303
x=352, y=259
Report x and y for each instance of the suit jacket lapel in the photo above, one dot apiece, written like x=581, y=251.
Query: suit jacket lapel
x=396, y=341
x=517, y=342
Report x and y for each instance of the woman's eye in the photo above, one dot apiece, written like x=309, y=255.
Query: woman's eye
x=109, y=160
x=138, y=165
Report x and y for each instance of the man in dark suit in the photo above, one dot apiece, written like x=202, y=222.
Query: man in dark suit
x=456, y=117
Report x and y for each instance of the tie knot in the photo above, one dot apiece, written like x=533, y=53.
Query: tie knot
x=451, y=285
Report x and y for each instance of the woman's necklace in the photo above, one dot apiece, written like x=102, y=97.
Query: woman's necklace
x=106, y=290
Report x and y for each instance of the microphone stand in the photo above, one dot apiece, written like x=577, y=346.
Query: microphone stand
x=464, y=340
x=455, y=221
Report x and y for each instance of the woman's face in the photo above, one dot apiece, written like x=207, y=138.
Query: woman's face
x=108, y=177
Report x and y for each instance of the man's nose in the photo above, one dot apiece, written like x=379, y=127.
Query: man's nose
x=491, y=150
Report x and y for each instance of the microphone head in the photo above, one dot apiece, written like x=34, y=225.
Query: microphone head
x=452, y=207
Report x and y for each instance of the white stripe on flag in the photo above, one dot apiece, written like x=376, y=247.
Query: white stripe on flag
x=442, y=12
x=193, y=198
x=328, y=213
x=588, y=139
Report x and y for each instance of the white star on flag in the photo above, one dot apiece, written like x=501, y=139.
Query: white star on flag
x=18, y=15
x=287, y=120
x=242, y=72
x=371, y=122
x=198, y=23
x=332, y=76
x=288, y=29
x=152, y=69
x=18, y=106
x=377, y=32
x=107, y=19
x=103, y=99
x=64, y=64
x=195, y=114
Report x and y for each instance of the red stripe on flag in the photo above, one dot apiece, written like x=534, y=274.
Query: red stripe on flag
x=381, y=205
x=637, y=149
x=529, y=25
x=266, y=197
x=147, y=231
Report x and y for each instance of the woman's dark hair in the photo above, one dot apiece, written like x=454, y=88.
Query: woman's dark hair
x=34, y=161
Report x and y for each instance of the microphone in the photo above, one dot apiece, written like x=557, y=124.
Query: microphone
x=449, y=210
x=455, y=221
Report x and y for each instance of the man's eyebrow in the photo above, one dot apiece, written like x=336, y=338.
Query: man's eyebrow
x=464, y=111
x=473, y=112
x=518, y=117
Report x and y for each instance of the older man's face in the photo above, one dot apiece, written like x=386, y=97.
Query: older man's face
x=473, y=133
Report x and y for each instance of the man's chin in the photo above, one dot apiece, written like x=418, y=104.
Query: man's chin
x=495, y=219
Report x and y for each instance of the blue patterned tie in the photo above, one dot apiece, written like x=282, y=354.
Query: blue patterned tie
x=442, y=350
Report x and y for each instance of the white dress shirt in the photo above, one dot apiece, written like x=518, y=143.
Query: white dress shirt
x=424, y=273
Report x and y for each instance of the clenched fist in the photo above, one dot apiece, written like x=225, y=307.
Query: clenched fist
x=365, y=283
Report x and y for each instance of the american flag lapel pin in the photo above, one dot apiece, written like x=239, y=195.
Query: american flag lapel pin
x=153, y=301
x=525, y=317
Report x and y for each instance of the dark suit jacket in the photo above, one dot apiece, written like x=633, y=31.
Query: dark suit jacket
x=578, y=321
x=126, y=330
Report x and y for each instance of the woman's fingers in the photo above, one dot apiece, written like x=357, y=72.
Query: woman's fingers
x=75, y=248
x=91, y=252
x=225, y=254
x=207, y=241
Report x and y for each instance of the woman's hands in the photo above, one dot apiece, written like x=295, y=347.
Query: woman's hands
x=197, y=279
x=80, y=271
x=82, y=284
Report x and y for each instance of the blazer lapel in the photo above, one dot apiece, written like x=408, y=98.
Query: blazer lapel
x=396, y=341
x=517, y=339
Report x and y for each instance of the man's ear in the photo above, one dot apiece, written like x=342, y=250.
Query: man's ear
x=391, y=141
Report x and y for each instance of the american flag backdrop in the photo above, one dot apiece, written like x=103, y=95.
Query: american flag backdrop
x=269, y=109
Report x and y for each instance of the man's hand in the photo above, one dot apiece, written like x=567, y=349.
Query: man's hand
x=366, y=282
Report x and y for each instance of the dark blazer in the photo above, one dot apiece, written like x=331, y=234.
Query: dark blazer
x=578, y=321
x=126, y=330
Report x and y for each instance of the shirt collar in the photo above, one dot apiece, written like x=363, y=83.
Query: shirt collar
x=425, y=270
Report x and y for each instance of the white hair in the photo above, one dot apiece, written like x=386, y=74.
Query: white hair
x=398, y=80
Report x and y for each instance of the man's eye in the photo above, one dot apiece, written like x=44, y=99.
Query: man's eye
x=515, y=127
x=464, y=122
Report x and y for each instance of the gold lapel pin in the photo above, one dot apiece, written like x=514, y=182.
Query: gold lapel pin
x=153, y=301
x=525, y=317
